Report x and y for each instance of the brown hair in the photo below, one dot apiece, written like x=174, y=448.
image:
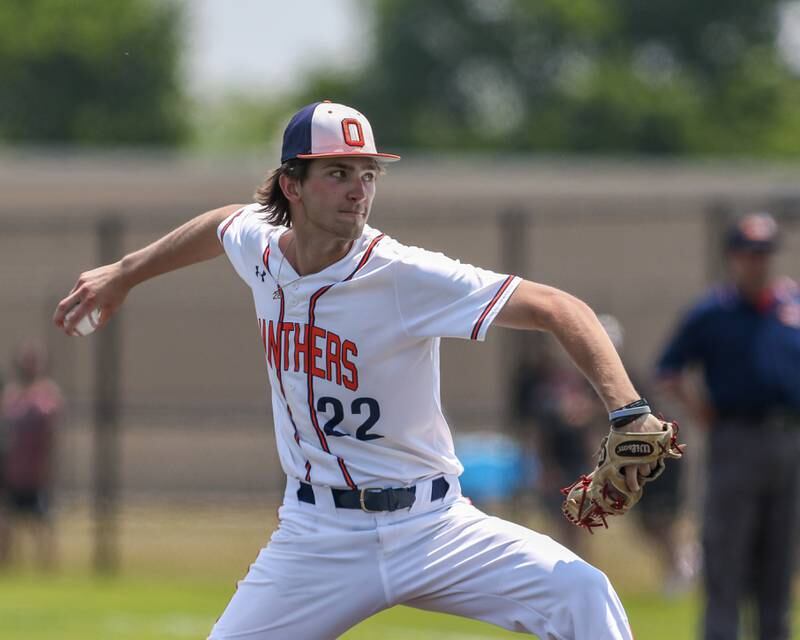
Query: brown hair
x=271, y=197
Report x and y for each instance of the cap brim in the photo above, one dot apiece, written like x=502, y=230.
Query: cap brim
x=380, y=157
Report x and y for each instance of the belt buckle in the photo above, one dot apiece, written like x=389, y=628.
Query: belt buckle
x=361, y=495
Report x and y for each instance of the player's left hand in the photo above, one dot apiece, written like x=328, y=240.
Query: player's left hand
x=628, y=458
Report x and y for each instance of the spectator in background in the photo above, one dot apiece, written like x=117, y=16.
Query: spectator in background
x=745, y=335
x=31, y=407
x=567, y=424
x=659, y=514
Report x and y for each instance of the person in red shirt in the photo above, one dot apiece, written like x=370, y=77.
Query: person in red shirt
x=31, y=406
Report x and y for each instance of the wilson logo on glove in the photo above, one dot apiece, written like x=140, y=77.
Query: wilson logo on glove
x=634, y=449
x=604, y=492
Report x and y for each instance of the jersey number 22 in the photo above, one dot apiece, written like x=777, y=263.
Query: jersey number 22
x=356, y=408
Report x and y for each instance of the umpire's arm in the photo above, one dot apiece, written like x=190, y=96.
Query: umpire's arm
x=106, y=287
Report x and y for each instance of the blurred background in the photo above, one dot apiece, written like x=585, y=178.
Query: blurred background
x=598, y=146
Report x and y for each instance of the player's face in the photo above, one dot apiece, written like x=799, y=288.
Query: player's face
x=336, y=196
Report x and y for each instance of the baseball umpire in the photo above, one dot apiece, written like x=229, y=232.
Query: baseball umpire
x=746, y=337
x=350, y=321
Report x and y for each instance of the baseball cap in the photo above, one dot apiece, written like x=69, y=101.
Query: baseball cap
x=754, y=232
x=327, y=130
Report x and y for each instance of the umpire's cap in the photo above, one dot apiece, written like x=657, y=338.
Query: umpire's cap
x=756, y=232
x=328, y=130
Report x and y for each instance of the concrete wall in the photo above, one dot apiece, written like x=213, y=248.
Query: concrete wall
x=633, y=239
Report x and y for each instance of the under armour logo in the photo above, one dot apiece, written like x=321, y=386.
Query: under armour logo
x=260, y=273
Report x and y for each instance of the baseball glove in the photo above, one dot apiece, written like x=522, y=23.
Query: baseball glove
x=604, y=491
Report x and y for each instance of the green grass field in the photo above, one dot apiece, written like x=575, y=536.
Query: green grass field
x=64, y=608
x=179, y=568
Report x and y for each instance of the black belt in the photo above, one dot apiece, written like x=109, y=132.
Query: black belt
x=375, y=499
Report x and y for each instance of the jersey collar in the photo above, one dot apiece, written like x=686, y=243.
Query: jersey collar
x=331, y=274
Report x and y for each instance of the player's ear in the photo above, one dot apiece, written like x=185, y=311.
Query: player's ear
x=290, y=187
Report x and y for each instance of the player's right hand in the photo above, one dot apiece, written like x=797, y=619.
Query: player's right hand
x=103, y=288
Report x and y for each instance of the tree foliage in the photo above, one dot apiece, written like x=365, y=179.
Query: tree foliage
x=663, y=76
x=92, y=72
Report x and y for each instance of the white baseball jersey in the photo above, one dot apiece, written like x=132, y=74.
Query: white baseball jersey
x=353, y=351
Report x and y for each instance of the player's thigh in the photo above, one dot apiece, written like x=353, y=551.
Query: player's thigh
x=312, y=586
x=489, y=569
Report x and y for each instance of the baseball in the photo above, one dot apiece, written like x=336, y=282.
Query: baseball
x=87, y=324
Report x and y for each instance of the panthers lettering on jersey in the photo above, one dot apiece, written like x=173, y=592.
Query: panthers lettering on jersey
x=352, y=352
x=304, y=348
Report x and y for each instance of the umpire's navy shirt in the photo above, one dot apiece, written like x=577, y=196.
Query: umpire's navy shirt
x=750, y=353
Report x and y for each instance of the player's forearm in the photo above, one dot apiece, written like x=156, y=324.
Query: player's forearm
x=579, y=331
x=573, y=323
x=106, y=287
x=192, y=242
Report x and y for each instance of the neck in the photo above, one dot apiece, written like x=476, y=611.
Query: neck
x=309, y=254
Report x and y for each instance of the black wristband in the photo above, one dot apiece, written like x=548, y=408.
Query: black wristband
x=630, y=412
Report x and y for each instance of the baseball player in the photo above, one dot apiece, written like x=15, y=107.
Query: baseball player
x=350, y=321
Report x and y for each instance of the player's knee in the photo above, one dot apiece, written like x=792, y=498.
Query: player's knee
x=586, y=604
x=581, y=584
x=597, y=587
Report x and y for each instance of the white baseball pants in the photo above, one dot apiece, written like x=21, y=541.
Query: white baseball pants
x=326, y=569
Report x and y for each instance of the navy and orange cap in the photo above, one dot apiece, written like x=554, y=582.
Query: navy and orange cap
x=328, y=130
x=757, y=232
